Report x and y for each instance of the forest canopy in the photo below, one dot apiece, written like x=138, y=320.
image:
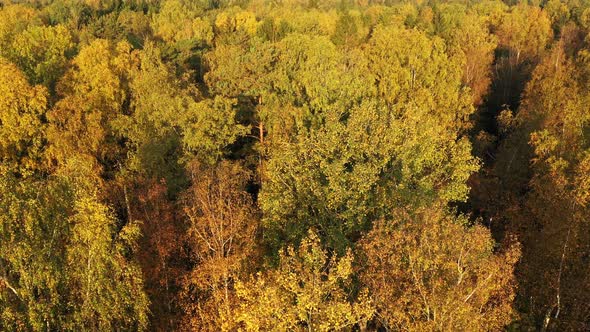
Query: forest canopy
x=294, y=165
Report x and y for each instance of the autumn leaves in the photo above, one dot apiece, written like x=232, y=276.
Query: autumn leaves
x=292, y=165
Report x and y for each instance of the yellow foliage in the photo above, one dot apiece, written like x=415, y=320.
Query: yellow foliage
x=237, y=20
x=21, y=108
x=306, y=292
x=94, y=92
x=526, y=32
x=13, y=20
x=175, y=22
x=582, y=181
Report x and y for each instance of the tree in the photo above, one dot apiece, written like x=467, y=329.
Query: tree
x=33, y=237
x=427, y=270
x=186, y=30
x=153, y=127
x=294, y=164
x=347, y=30
x=525, y=33
x=477, y=45
x=175, y=117
x=105, y=283
x=160, y=252
x=311, y=287
x=549, y=217
x=177, y=22
x=408, y=72
x=94, y=94
x=13, y=20
x=108, y=289
x=64, y=263
x=22, y=131
x=402, y=145
x=558, y=12
x=222, y=236
x=210, y=126
x=42, y=52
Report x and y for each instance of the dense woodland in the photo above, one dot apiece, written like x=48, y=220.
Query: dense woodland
x=294, y=165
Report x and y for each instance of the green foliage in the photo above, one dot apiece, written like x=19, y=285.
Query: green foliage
x=174, y=119
x=401, y=147
x=33, y=234
x=152, y=127
x=346, y=30
x=41, y=52
x=273, y=31
x=209, y=126
x=63, y=264
x=109, y=289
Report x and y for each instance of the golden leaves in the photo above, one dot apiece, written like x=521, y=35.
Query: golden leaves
x=22, y=107
x=308, y=290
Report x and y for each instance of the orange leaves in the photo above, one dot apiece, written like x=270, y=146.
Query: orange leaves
x=427, y=271
x=221, y=234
